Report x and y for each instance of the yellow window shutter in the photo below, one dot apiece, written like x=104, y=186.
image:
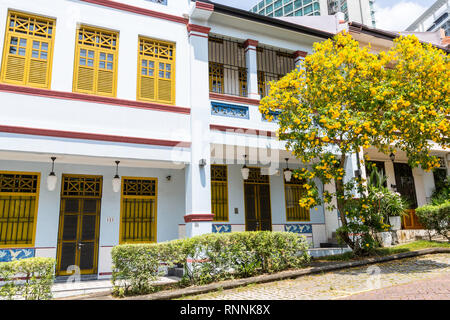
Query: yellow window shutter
x=147, y=88
x=85, y=81
x=105, y=82
x=164, y=90
x=38, y=72
x=15, y=68
x=28, y=50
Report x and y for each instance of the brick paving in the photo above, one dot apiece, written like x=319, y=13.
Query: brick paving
x=431, y=289
x=423, y=277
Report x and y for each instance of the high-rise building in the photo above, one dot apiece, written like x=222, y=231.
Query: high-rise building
x=434, y=18
x=354, y=10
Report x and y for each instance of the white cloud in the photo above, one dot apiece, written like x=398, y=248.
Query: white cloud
x=397, y=17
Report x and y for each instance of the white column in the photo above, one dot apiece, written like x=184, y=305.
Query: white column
x=390, y=174
x=299, y=56
x=198, y=180
x=419, y=185
x=252, y=68
x=331, y=216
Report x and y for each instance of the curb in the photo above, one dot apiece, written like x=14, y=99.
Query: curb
x=230, y=284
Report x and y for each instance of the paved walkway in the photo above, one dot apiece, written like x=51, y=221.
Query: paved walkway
x=424, y=276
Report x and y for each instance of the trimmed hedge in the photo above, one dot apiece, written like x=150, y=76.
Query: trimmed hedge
x=436, y=217
x=207, y=258
x=38, y=277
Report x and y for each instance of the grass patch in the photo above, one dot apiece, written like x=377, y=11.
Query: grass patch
x=412, y=246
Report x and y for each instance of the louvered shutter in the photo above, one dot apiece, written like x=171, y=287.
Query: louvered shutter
x=147, y=88
x=15, y=63
x=105, y=82
x=85, y=81
x=164, y=90
x=38, y=72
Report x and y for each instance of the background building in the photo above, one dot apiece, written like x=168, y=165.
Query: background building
x=435, y=18
x=354, y=10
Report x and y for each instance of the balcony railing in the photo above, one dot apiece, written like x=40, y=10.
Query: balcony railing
x=272, y=65
x=227, y=67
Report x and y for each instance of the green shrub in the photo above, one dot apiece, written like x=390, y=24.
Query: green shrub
x=207, y=258
x=38, y=274
x=436, y=217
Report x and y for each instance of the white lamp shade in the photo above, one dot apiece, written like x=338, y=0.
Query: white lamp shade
x=51, y=182
x=288, y=175
x=245, y=171
x=116, y=184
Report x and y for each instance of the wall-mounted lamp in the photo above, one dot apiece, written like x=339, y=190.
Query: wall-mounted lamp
x=169, y=177
x=287, y=172
x=116, y=179
x=392, y=156
x=52, y=179
x=202, y=162
x=245, y=171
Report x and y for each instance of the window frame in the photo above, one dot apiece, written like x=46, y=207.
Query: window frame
x=29, y=49
x=156, y=69
x=97, y=51
x=35, y=214
x=122, y=198
x=227, y=193
x=298, y=184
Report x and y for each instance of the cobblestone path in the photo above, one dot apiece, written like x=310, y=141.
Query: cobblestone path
x=421, y=277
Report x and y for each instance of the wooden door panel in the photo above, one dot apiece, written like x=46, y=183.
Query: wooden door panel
x=79, y=223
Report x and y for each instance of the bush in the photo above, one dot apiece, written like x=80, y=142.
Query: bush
x=38, y=274
x=436, y=217
x=207, y=258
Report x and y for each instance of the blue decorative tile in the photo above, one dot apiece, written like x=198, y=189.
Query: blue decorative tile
x=298, y=228
x=271, y=113
x=221, y=228
x=229, y=110
x=7, y=255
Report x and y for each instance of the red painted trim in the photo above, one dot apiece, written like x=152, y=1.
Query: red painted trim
x=242, y=130
x=250, y=42
x=204, y=6
x=198, y=35
x=199, y=217
x=225, y=97
x=197, y=28
x=138, y=10
x=299, y=53
x=92, y=136
x=93, y=98
x=105, y=274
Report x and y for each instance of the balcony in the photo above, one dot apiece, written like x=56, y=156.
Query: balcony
x=227, y=67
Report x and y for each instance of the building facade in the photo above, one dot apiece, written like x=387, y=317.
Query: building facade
x=434, y=18
x=131, y=121
x=361, y=11
x=137, y=121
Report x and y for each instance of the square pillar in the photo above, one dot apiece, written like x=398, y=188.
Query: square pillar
x=299, y=57
x=252, y=68
x=198, y=216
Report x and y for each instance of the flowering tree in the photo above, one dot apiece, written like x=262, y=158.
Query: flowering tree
x=345, y=98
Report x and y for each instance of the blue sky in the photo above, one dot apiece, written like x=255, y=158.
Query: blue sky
x=394, y=15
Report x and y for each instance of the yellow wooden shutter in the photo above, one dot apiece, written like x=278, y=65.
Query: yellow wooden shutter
x=164, y=90
x=156, y=74
x=28, y=50
x=96, y=62
x=15, y=68
x=85, y=79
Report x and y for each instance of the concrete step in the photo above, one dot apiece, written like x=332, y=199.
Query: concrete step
x=175, y=272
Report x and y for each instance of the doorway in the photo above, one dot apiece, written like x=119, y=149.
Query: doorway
x=258, y=216
x=79, y=224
